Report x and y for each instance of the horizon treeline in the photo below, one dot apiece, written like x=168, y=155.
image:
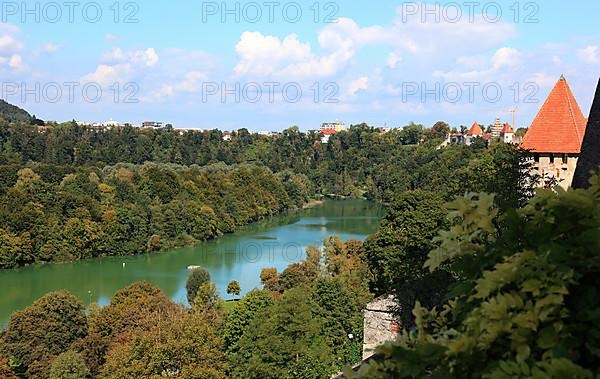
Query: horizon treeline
x=359, y=161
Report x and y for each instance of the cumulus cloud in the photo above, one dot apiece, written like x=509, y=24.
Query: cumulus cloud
x=360, y=84
x=51, y=48
x=120, y=66
x=589, y=54
x=269, y=56
x=11, y=60
x=147, y=57
x=339, y=43
x=9, y=43
x=503, y=58
x=393, y=60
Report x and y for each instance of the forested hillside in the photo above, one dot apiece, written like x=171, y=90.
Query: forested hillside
x=12, y=114
x=360, y=160
x=51, y=213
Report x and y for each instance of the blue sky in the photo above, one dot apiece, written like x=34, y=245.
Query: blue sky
x=382, y=62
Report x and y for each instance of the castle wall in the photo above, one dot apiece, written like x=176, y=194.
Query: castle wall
x=562, y=169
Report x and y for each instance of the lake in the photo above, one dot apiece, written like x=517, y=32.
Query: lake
x=275, y=242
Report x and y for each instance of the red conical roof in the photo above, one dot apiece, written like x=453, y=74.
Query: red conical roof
x=507, y=128
x=475, y=130
x=559, y=126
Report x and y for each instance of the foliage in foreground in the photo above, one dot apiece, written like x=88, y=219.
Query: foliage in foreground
x=527, y=303
x=39, y=333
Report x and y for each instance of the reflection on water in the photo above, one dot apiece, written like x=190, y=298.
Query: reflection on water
x=274, y=242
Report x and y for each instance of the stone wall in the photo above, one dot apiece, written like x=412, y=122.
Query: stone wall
x=562, y=169
x=380, y=325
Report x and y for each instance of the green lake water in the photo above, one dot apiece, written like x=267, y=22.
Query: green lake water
x=275, y=242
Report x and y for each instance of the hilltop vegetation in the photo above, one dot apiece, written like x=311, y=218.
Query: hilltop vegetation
x=12, y=114
x=361, y=160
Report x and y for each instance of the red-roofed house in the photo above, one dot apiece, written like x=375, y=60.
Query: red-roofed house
x=475, y=132
x=556, y=135
x=507, y=135
x=330, y=128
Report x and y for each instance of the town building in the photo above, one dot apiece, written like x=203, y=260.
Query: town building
x=152, y=124
x=330, y=128
x=227, y=136
x=497, y=129
x=555, y=137
x=476, y=131
x=508, y=135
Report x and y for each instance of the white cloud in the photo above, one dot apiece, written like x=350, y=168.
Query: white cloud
x=393, y=60
x=542, y=79
x=16, y=61
x=269, y=56
x=147, y=57
x=51, y=48
x=589, y=54
x=339, y=44
x=9, y=43
x=11, y=59
x=106, y=75
x=505, y=57
x=360, y=84
x=120, y=66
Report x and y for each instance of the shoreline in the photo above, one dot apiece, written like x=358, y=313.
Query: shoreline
x=309, y=205
x=313, y=204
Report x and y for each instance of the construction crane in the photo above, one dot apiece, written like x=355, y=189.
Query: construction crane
x=513, y=111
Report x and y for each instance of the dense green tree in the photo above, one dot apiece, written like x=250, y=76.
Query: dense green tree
x=439, y=130
x=40, y=332
x=397, y=252
x=411, y=134
x=239, y=319
x=196, y=278
x=269, y=277
x=116, y=211
x=284, y=343
x=233, y=288
x=298, y=275
x=340, y=312
x=208, y=299
x=180, y=344
x=69, y=365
